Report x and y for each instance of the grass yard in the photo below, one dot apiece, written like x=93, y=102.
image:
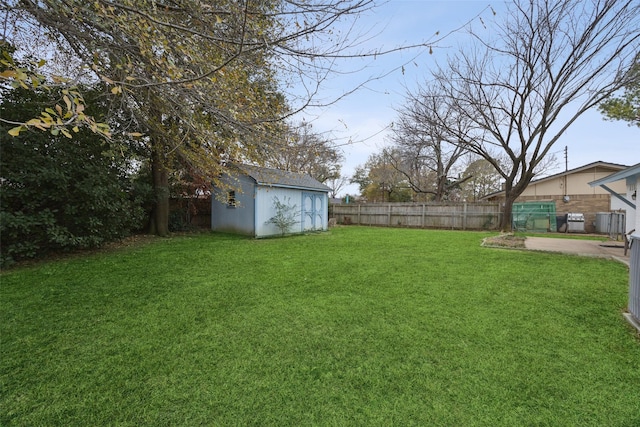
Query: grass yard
x=358, y=326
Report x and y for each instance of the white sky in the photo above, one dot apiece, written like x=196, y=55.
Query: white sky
x=363, y=117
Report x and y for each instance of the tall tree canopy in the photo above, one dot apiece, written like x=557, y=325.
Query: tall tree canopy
x=425, y=152
x=626, y=107
x=199, y=79
x=524, y=81
x=380, y=181
x=483, y=179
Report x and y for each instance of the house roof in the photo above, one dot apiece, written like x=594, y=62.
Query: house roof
x=279, y=178
x=613, y=166
x=625, y=173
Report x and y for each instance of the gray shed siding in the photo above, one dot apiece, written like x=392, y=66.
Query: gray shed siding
x=239, y=219
x=256, y=191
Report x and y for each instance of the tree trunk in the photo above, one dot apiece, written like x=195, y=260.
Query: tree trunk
x=159, y=224
x=505, y=221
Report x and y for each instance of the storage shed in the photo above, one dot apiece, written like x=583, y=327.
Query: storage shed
x=248, y=206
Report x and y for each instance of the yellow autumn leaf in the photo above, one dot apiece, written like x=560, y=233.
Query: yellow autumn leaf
x=67, y=101
x=16, y=130
x=116, y=90
x=37, y=123
x=8, y=74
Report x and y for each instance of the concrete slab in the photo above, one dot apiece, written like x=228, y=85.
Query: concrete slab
x=594, y=248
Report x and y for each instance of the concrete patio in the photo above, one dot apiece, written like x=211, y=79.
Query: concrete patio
x=594, y=248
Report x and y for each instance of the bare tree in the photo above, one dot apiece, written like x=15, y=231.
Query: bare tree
x=425, y=152
x=549, y=62
x=336, y=185
x=303, y=150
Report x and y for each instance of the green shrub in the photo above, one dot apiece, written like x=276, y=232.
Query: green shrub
x=59, y=194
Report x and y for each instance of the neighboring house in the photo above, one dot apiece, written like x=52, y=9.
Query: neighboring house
x=247, y=207
x=571, y=192
x=631, y=178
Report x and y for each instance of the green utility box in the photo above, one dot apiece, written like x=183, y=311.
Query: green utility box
x=535, y=217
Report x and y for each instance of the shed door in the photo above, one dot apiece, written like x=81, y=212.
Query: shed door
x=312, y=211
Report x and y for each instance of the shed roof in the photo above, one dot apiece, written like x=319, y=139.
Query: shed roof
x=279, y=178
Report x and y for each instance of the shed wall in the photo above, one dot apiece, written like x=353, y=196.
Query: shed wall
x=239, y=219
x=265, y=197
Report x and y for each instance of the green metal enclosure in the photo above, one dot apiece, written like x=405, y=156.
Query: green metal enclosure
x=537, y=217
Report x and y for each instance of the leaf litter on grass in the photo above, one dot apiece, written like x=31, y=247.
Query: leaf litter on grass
x=505, y=240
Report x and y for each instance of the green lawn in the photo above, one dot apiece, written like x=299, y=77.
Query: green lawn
x=357, y=326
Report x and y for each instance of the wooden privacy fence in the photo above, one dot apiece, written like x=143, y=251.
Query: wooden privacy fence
x=460, y=216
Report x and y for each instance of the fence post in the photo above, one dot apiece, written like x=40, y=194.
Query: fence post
x=422, y=223
x=359, y=214
x=389, y=216
x=464, y=216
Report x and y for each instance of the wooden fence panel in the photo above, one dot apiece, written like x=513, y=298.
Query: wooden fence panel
x=457, y=216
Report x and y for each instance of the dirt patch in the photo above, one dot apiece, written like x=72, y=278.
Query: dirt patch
x=506, y=240
x=127, y=242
